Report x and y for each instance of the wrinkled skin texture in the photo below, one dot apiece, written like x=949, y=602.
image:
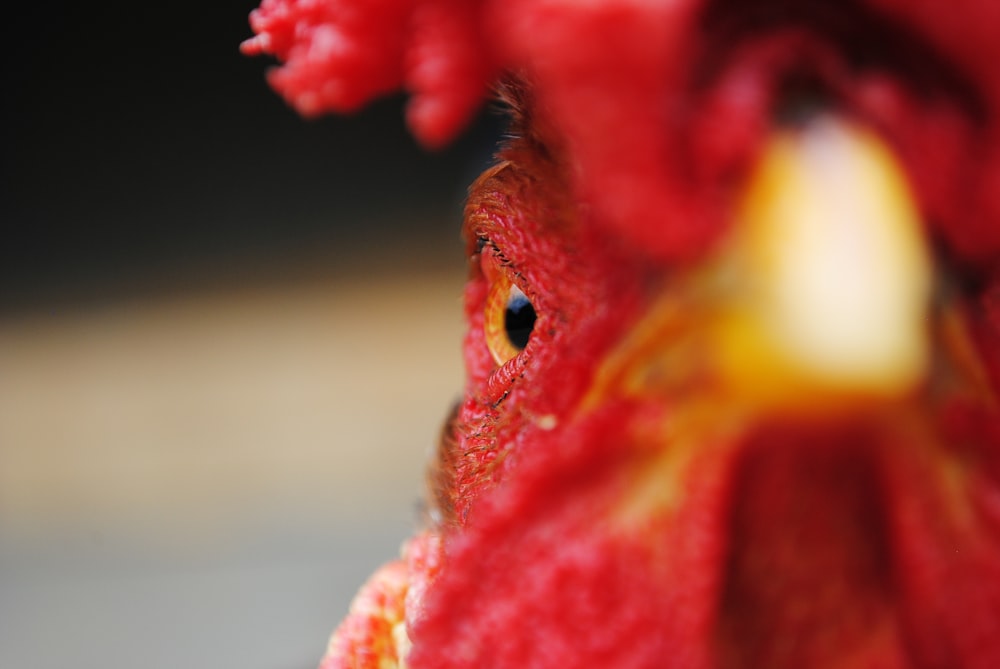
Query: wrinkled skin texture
x=596, y=502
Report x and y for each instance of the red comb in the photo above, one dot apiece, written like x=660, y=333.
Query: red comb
x=340, y=55
x=615, y=79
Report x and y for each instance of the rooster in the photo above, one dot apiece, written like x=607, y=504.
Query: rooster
x=733, y=330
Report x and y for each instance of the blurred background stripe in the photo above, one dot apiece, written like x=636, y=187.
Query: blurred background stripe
x=228, y=338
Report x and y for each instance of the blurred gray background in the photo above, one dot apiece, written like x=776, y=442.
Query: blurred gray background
x=228, y=338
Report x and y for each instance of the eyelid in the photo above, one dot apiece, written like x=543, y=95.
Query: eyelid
x=490, y=264
x=494, y=265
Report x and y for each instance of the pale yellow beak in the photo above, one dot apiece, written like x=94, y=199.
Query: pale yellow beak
x=817, y=303
x=826, y=282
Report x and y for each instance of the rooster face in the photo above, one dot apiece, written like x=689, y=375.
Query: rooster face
x=771, y=442
x=733, y=332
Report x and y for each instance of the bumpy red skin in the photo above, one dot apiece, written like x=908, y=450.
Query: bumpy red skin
x=874, y=542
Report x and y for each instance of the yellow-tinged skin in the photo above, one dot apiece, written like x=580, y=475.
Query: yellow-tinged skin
x=374, y=636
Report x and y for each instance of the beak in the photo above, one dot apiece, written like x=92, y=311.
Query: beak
x=818, y=299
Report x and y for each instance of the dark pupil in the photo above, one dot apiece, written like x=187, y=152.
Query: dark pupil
x=519, y=320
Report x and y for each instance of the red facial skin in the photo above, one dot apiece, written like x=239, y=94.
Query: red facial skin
x=580, y=522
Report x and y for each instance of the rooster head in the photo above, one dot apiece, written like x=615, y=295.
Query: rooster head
x=734, y=326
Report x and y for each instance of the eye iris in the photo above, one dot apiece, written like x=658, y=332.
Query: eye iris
x=519, y=318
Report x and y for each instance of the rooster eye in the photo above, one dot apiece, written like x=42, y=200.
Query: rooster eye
x=519, y=318
x=510, y=318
